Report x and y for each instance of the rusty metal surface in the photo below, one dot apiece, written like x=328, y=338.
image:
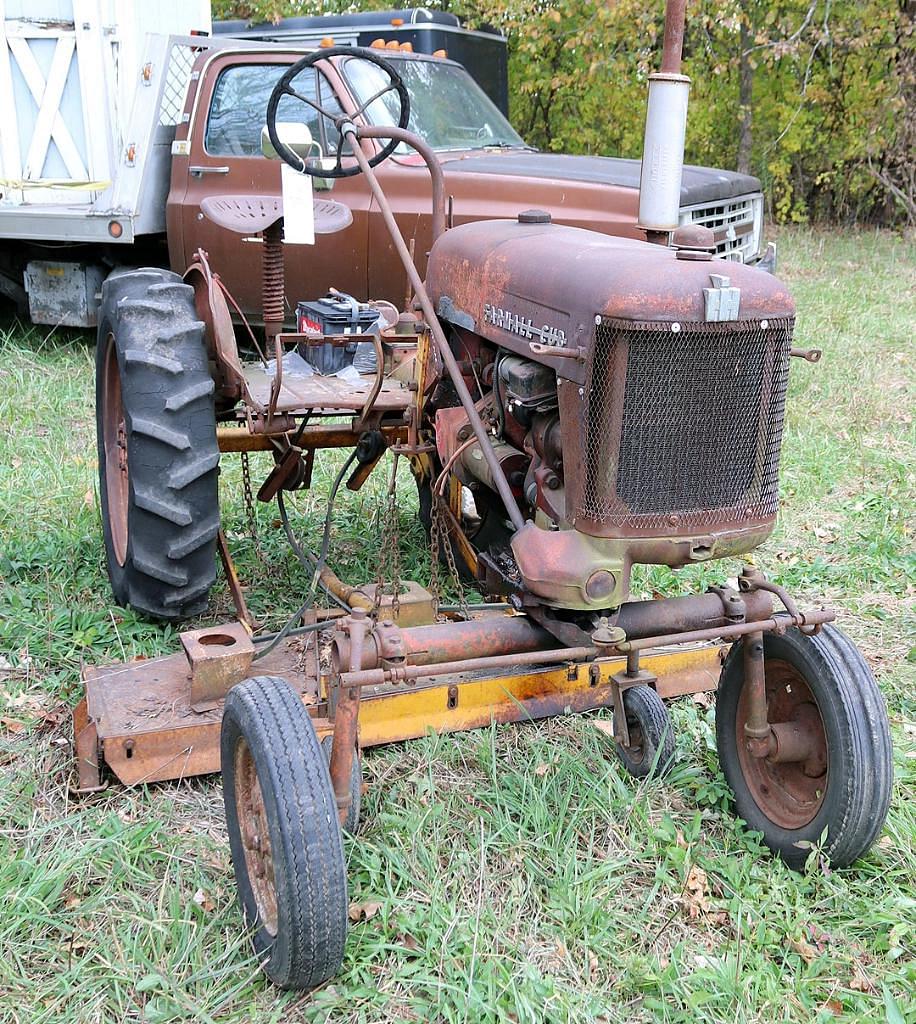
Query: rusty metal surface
x=779, y=622
x=416, y=605
x=694, y=417
x=254, y=829
x=315, y=435
x=218, y=657
x=789, y=787
x=146, y=725
x=674, y=36
x=86, y=744
x=246, y=214
x=299, y=393
x=487, y=636
x=500, y=264
x=148, y=731
x=232, y=578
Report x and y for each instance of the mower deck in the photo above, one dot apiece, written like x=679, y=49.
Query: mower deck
x=138, y=719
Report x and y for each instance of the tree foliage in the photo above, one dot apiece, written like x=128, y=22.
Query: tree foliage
x=816, y=97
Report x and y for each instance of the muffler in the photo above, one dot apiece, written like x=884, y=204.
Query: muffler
x=666, y=127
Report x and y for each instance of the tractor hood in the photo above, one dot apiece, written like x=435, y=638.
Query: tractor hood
x=698, y=184
x=515, y=283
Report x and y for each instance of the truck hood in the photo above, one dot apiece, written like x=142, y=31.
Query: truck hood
x=698, y=184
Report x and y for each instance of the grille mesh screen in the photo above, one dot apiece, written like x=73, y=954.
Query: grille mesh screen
x=699, y=417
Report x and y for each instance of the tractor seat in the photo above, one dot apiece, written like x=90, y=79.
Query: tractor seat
x=247, y=215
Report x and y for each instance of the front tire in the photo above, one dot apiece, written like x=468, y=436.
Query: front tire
x=157, y=448
x=651, y=750
x=284, y=834
x=823, y=686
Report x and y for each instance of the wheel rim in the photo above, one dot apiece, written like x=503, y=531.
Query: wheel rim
x=114, y=437
x=789, y=794
x=252, y=819
x=636, y=751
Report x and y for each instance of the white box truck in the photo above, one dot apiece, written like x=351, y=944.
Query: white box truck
x=90, y=94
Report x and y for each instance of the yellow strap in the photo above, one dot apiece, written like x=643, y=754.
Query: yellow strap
x=73, y=186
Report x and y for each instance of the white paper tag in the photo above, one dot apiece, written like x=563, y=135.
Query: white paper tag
x=298, y=209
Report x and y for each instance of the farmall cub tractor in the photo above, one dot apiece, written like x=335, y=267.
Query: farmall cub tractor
x=571, y=405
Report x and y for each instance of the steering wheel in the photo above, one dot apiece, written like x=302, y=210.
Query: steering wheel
x=284, y=87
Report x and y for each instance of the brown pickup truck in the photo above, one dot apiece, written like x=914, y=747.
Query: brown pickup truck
x=214, y=149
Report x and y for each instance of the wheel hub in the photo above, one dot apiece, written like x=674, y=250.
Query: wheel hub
x=114, y=435
x=789, y=791
x=252, y=816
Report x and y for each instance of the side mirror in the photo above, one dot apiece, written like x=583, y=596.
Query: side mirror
x=299, y=139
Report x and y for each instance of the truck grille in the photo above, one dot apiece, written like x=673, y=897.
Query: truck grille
x=695, y=419
x=736, y=223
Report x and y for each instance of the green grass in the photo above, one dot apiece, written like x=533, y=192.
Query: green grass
x=521, y=875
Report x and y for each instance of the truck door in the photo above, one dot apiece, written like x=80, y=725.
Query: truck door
x=224, y=158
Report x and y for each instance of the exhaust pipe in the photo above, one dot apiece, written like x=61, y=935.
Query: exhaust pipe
x=666, y=126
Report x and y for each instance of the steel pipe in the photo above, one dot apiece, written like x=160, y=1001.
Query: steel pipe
x=448, y=357
x=410, y=673
x=779, y=621
x=432, y=162
x=489, y=636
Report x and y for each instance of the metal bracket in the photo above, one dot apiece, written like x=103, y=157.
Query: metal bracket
x=621, y=681
x=219, y=658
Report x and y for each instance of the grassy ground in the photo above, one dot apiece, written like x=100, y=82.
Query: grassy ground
x=514, y=874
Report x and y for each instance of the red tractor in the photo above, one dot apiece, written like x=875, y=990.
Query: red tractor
x=571, y=405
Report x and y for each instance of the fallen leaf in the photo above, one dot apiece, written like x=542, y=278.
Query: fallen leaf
x=542, y=769
x=834, y=1006
x=860, y=981
x=12, y=725
x=408, y=942
x=695, y=893
x=89, y=497
x=805, y=950
x=702, y=699
x=202, y=899
x=364, y=911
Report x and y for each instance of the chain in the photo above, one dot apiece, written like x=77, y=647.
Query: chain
x=389, y=562
x=249, y=507
x=439, y=538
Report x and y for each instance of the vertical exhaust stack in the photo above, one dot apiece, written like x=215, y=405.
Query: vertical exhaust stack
x=666, y=126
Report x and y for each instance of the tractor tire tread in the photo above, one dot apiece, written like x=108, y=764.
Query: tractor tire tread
x=173, y=457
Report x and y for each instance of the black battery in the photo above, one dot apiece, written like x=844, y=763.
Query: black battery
x=332, y=315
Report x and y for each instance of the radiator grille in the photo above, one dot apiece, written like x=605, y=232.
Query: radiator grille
x=698, y=419
x=737, y=224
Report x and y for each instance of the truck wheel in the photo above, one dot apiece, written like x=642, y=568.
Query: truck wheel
x=822, y=686
x=158, y=456
x=284, y=833
x=651, y=749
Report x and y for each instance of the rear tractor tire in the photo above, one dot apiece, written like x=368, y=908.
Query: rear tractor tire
x=157, y=448
x=820, y=688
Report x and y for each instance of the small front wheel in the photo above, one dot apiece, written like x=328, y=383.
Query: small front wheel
x=284, y=833
x=830, y=766
x=651, y=746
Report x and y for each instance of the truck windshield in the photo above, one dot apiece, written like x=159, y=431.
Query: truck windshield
x=447, y=107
